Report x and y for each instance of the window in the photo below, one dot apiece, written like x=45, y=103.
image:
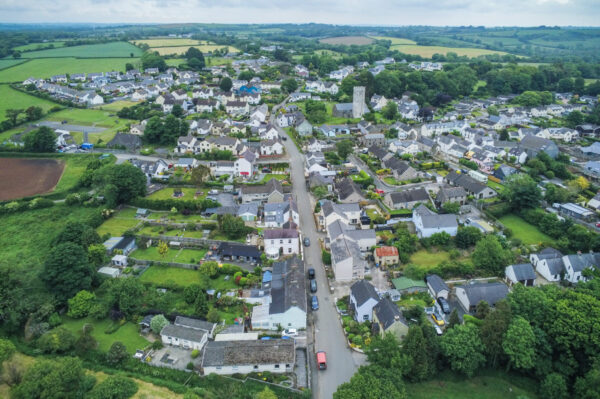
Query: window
x=255, y=367
x=289, y=250
x=276, y=366
x=272, y=241
x=287, y=366
x=290, y=241
x=219, y=367
x=366, y=317
x=281, y=241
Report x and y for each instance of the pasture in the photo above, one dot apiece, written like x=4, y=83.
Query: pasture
x=39, y=46
x=14, y=99
x=166, y=42
x=429, y=51
x=184, y=255
x=7, y=62
x=21, y=177
x=189, y=194
x=179, y=50
x=348, y=40
x=104, y=50
x=47, y=67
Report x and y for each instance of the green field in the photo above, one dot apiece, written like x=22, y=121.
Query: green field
x=166, y=42
x=395, y=40
x=348, y=40
x=184, y=255
x=117, y=105
x=119, y=223
x=127, y=334
x=428, y=259
x=5, y=63
x=205, y=48
x=47, y=67
x=429, y=51
x=13, y=99
x=492, y=385
x=527, y=233
x=75, y=165
x=36, y=46
x=212, y=61
x=188, y=194
x=158, y=275
x=91, y=117
x=104, y=50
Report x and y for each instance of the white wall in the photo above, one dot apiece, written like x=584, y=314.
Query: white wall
x=245, y=369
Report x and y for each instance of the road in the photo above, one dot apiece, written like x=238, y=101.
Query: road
x=342, y=363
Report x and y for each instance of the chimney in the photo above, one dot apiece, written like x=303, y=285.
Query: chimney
x=579, y=253
x=396, y=317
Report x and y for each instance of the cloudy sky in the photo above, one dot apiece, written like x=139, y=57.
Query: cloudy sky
x=354, y=12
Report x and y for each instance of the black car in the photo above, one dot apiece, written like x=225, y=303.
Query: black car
x=444, y=305
x=311, y=273
x=313, y=285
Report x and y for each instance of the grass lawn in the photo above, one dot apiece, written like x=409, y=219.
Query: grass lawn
x=74, y=168
x=117, y=105
x=390, y=180
x=428, y=259
x=171, y=232
x=166, y=42
x=490, y=385
x=118, y=224
x=211, y=61
x=183, y=255
x=145, y=389
x=46, y=67
x=188, y=194
x=184, y=277
x=527, y=233
x=128, y=333
x=91, y=117
x=496, y=186
x=175, y=61
x=113, y=49
x=13, y=99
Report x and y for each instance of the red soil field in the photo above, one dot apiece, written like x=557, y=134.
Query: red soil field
x=25, y=177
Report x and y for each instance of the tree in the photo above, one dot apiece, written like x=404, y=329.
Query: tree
x=78, y=233
x=289, y=85
x=177, y=111
x=117, y=353
x=574, y=118
x=492, y=331
x=7, y=349
x=80, y=304
x=454, y=320
x=233, y=227
x=97, y=255
x=467, y=236
x=390, y=110
x=129, y=181
x=59, y=340
x=465, y=79
x=451, y=207
x=386, y=352
x=153, y=60
x=415, y=346
x=67, y=271
x=588, y=386
x=213, y=316
x=40, y=140
x=12, y=115
x=201, y=304
x=114, y=387
x=344, y=148
x=226, y=84
x=86, y=341
x=265, y=394
x=482, y=310
x=521, y=192
x=45, y=379
x=210, y=269
x=158, y=322
x=372, y=382
x=490, y=256
x=195, y=58
x=200, y=174
x=126, y=294
x=519, y=344
x=191, y=292
x=579, y=184
x=129, y=66
x=34, y=113
x=463, y=349
x=554, y=386
x=163, y=249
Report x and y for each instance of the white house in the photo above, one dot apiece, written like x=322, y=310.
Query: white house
x=437, y=286
x=576, y=264
x=119, y=260
x=548, y=263
x=363, y=297
x=428, y=222
x=521, y=273
x=346, y=260
x=271, y=147
x=244, y=166
x=280, y=242
x=184, y=337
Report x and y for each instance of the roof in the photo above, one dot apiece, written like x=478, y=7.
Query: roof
x=186, y=333
x=347, y=187
x=280, y=233
x=436, y=283
x=448, y=193
x=489, y=292
x=466, y=181
x=231, y=353
x=522, y=271
x=431, y=219
x=416, y=195
x=386, y=251
x=580, y=262
x=194, y=323
x=125, y=242
x=387, y=313
x=403, y=283
x=555, y=265
x=236, y=249
x=251, y=208
x=397, y=165
x=362, y=291
x=288, y=286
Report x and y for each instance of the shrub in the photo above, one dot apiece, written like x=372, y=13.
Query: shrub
x=157, y=344
x=190, y=366
x=80, y=304
x=114, y=387
x=195, y=353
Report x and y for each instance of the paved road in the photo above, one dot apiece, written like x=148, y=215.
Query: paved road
x=342, y=363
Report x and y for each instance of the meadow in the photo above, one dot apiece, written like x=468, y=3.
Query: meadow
x=90, y=117
x=166, y=42
x=7, y=62
x=104, y=50
x=429, y=51
x=348, y=40
x=47, y=67
x=162, y=275
x=179, y=50
x=188, y=194
x=184, y=255
x=14, y=99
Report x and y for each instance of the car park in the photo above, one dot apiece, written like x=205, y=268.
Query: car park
x=314, y=303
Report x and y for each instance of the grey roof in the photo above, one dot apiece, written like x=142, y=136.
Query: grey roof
x=449, y=193
x=238, y=249
x=549, y=253
x=469, y=184
x=125, y=140
x=416, y=195
x=362, y=291
x=431, y=219
x=336, y=228
x=280, y=233
x=330, y=207
x=523, y=271
x=259, y=352
x=555, y=265
x=279, y=208
x=388, y=313
x=580, y=262
x=347, y=187
x=397, y=165
x=196, y=324
x=251, y=208
x=186, y=333
x=360, y=234
x=489, y=292
x=378, y=152
x=342, y=249
x=288, y=286
x=436, y=283
x=271, y=186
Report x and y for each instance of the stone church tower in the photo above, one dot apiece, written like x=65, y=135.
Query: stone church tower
x=358, y=102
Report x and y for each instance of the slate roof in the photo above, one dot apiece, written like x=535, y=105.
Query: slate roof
x=465, y=181
x=251, y=208
x=549, y=253
x=378, y=152
x=288, y=285
x=489, y=292
x=186, y=333
x=194, y=323
x=125, y=140
x=523, y=271
x=124, y=243
x=362, y=291
x=436, y=283
x=237, y=249
x=397, y=165
x=431, y=219
x=450, y=193
x=280, y=233
x=259, y=352
x=416, y=195
x=387, y=313
x=555, y=265
x=347, y=187
x=580, y=262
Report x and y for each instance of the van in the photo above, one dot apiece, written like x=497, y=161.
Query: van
x=313, y=285
x=322, y=360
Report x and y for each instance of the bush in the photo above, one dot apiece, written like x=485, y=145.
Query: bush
x=190, y=366
x=80, y=304
x=195, y=353
x=326, y=257
x=157, y=344
x=114, y=387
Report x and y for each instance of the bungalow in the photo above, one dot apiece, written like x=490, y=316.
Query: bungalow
x=437, y=287
x=471, y=186
x=451, y=194
x=184, y=337
x=428, y=222
x=348, y=191
x=406, y=199
x=504, y=171
x=405, y=285
x=119, y=261
x=401, y=170
x=389, y=319
x=385, y=256
x=240, y=252
x=248, y=212
x=152, y=170
x=120, y=245
x=520, y=273
x=363, y=297
x=303, y=127
x=280, y=242
x=196, y=324
x=470, y=295
x=232, y=357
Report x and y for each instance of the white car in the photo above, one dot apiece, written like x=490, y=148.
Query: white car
x=291, y=332
x=438, y=330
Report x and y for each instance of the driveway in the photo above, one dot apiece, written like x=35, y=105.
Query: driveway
x=328, y=335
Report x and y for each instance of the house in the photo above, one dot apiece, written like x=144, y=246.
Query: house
x=248, y=212
x=363, y=297
x=401, y=170
x=470, y=295
x=184, y=337
x=276, y=214
x=237, y=108
x=533, y=145
x=549, y=264
x=273, y=191
x=380, y=153
x=576, y=211
x=233, y=357
x=592, y=168
x=437, y=287
x=303, y=127
x=240, y=252
x=271, y=148
x=591, y=150
x=385, y=256
x=330, y=212
x=245, y=165
x=346, y=260
x=260, y=113
x=471, y=186
x=152, y=170
x=315, y=145
x=287, y=306
x=206, y=105
x=428, y=222
x=348, y=191
x=504, y=171
x=281, y=242
x=389, y=319
x=196, y=324
x=405, y=285
x=451, y=194
x=128, y=141
x=594, y=203
x=520, y=273
x=406, y=199
x=119, y=261
x=186, y=163
x=372, y=139
x=576, y=264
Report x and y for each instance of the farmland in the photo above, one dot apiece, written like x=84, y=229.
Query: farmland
x=166, y=42
x=168, y=46
x=429, y=51
x=47, y=67
x=26, y=177
x=395, y=40
x=6, y=63
x=348, y=40
x=205, y=48
x=13, y=99
x=38, y=46
x=104, y=50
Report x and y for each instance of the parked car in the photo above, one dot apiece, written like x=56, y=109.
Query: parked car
x=306, y=242
x=314, y=303
x=284, y=138
x=598, y=224
x=311, y=273
x=290, y=332
x=322, y=360
x=438, y=319
x=438, y=330
x=444, y=305
x=313, y=285
x=379, y=191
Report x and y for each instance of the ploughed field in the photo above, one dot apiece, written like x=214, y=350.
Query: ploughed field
x=25, y=177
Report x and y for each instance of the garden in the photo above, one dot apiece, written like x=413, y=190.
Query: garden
x=527, y=233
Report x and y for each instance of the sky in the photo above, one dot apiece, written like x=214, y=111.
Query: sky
x=342, y=12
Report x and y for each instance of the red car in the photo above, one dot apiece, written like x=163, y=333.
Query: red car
x=598, y=224
x=379, y=191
